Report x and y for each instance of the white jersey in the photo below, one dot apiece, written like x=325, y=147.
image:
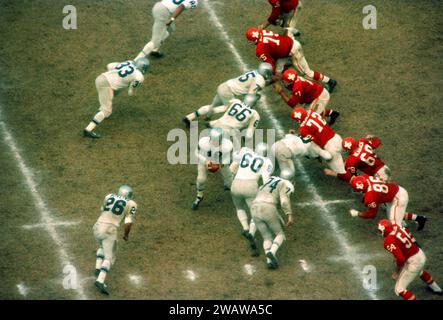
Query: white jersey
x=237, y=116
x=250, y=82
x=295, y=144
x=251, y=166
x=172, y=5
x=276, y=191
x=122, y=75
x=115, y=208
x=207, y=151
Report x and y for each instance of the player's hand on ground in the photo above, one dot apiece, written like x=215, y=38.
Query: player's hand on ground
x=395, y=276
x=278, y=88
x=290, y=221
x=354, y=212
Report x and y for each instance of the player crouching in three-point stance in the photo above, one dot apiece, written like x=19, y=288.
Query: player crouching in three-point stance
x=250, y=82
x=265, y=214
x=128, y=74
x=313, y=128
x=292, y=146
x=214, y=154
x=164, y=12
x=248, y=167
x=115, y=208
x=409, y=257
x=285, y=13
x=306, y=92
x=377, y=192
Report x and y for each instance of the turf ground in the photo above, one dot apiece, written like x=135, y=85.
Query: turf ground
x=390, y=82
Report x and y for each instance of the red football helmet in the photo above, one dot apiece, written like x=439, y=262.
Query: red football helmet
x=253, y=34
x=385, y=227
x=360, y=184
x=298, y=114
x=289, y=76
x=349, y=144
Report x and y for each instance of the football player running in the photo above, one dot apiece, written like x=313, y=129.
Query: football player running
x=250, y=82
x=214, y=154
x=285, y=13
x=377, y=192
x=264, y=210
x=409, y=258
x=239, y=115
x=115, y=208
x=283, y=50
x=164, y=12
x=248, y=167
x=290, y=147
x=120, y=76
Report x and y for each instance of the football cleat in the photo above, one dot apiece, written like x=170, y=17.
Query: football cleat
x=274, y=263
x=421, y=220
x=102, y=287
x=333, y=117
x=196, y=203
x=90, y=134
x=331, y=85
x=252, y=242
x=157, y=54
x=186, y=122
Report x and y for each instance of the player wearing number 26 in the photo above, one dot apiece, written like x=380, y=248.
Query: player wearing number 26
x=125, y=75
x=116, y=207
x=377, y=192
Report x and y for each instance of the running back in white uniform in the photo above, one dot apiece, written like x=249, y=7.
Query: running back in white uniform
x=115, y=208
x=122, y=75
x=172, y=5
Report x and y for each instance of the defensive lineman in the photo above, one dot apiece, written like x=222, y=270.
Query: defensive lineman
x=115, y=208
x=248, y=83
x=248, y=167
x=120, y=76
x=265, y=214
x=164, y=12
x=239, y=115
x=213, y=152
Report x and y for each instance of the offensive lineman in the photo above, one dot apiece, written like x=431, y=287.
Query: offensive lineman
x=248, y=167
x=250, y=82
x=125, y=75
x=214, y=154
x=285, y=13
x=115, y=208
x=265, y=214
x=164, y=12
x=239, y=115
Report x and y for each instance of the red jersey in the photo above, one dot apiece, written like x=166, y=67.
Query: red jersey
x=378, y=192
x=272, y=47
x=314, y=127
x=364, y=159
x=304, y=92
x=401, y=244
x=279, y=7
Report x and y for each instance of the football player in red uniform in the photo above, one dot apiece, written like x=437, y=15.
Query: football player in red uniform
x=313, y=128
x=363, y=158
x=410, y=259
x=285, y=14
x=306, y=92
x=377, y=192
x=273, y=48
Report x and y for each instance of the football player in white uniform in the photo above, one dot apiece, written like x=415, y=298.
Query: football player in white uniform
x=214, y=154
x=248, y=167
x=115, y=208
x=120, y=76
x=286, y=150
x=239, y=115
x=250, y=82
x=164, y=12
x=265, y=214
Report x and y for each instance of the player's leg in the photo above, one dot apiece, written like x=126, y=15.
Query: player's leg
x=105, y=96
x=293, y=19
x=275, y=225
x=399, y=210
x=404, y=279
x=100, y=255
x=334, y=147
x=227, y=176
x=202, y=176
x=284, y=160
x=108, y=244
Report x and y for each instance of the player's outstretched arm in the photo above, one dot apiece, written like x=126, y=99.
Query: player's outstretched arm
x=176, y=13
x=128, y=227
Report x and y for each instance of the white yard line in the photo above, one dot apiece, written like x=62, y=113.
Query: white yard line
x=341, y=236
x=190, y=275
x=55, y=224
x=323, y=203
x=46, y=218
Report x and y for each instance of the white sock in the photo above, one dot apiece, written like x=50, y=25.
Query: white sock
x=277, y=243
x=252, y=227
x=267, y=244
x=98, y=118
x=325, y=79
x=99, y=258
x=106, y=265
x=243, y=218
x=434, y=286
x=200, y=189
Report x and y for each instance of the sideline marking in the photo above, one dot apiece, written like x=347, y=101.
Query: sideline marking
x=304, y=265
x=340, y=235
x=45, y=216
